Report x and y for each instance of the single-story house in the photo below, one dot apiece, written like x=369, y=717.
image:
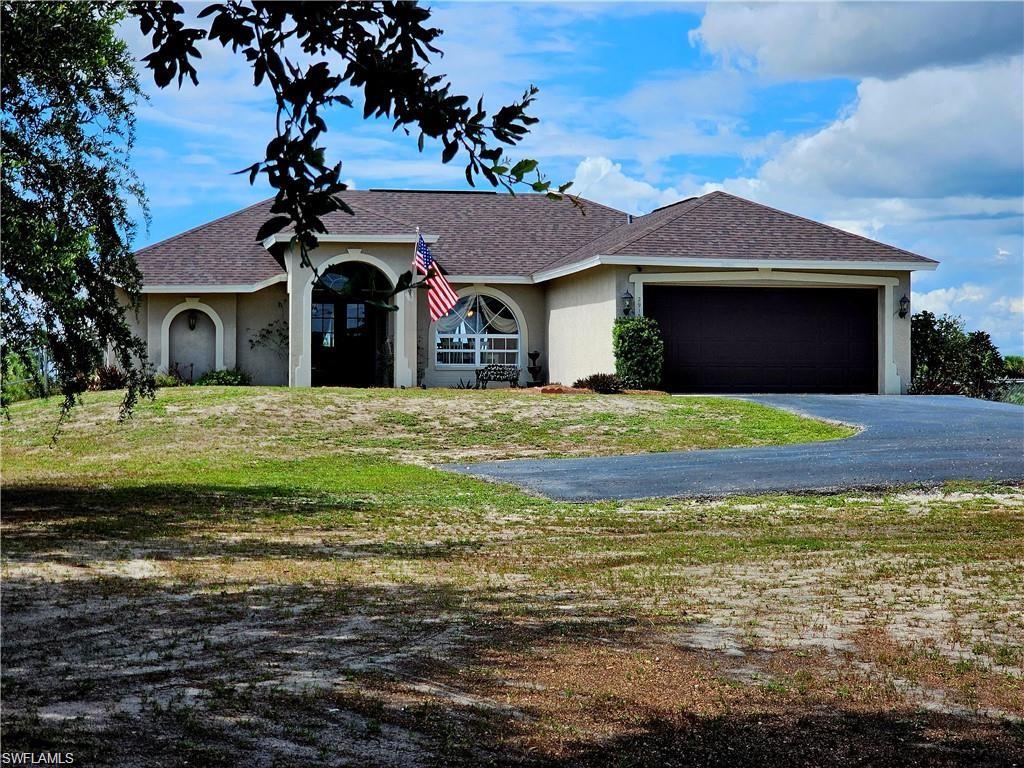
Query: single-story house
x=749, y=298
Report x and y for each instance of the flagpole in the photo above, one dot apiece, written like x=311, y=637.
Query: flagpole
x=414, y=247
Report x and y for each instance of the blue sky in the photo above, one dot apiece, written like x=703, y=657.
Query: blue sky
x=902, y=122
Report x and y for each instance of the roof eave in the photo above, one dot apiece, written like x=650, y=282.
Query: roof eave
x=668, y=261
x=495, y=279
x=195, y=288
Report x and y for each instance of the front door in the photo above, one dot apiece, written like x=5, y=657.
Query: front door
x=344, y=336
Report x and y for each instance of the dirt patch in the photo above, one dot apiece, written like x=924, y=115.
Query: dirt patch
x=278, y=631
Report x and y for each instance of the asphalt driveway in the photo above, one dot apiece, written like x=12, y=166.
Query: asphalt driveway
x=904, y=441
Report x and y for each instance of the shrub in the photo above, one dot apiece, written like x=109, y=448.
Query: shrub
x=946, y=360
x=21, y=382
x=1014, y=365
x=108, y=377
x=603, y=383
x=167, y=380
x=639, y=352
x=233, y=377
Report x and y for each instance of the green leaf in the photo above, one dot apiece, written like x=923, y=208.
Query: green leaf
x=522, y=168
x=272, y=227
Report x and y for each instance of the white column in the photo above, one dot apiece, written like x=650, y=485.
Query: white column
x=405, y=339
x=230, y=319
x=891, y=384
x=299, y=311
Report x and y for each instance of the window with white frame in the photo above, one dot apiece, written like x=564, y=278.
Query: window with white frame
x=479, y=330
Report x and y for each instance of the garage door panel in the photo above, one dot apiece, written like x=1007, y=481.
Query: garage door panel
x=720, y=339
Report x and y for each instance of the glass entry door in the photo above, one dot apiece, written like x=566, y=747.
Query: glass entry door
x=343, y=343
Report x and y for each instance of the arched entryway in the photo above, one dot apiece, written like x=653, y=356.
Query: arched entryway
x=193, y=344
x=191, y=340
x=351, y=337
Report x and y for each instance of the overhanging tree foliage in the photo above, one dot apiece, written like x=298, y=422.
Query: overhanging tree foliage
x=69, y=89
x=63, y=62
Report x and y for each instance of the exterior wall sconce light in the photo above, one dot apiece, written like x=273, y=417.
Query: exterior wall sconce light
x=193, y=316
x=904, y=306
x=627, y=303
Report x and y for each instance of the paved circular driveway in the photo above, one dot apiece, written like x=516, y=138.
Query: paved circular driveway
x=904, y=441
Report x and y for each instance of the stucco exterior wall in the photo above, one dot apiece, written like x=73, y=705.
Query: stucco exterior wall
x=137, y=319
x=164, y=308
x=526, y=301
x=192, y=350
x=267, y=363
x=581, y=311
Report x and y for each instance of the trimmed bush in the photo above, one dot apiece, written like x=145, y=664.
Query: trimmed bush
x=233, y=377
x=946, y=360
x=639, y=352
x=602, y=383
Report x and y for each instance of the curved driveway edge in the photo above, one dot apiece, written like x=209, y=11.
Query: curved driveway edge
x=906, y=440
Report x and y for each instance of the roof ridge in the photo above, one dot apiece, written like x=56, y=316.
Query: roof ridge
x=699, y=202
x=589, y=202
x=204, y=225
x=822, y=224
x=569, y=258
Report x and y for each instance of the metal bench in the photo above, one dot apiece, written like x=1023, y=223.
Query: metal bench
x=489, y=373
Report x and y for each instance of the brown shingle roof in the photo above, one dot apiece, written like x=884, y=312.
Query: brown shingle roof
x=498, y=234
x=722, y=226
x=220, y=252
x=479, y=234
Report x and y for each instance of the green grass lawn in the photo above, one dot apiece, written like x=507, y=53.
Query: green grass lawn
x=281, y=577
x=257, y=435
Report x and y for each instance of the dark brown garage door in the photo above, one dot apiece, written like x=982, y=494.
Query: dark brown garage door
x=767, y=339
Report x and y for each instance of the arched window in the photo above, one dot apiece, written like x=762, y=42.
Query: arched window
x=479, y=330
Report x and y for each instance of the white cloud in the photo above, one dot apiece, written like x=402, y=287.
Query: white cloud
x=949, y=301
x=601, y=180
x=933, y=133
x=1004, y=321
x=820, y=40
x=862, y=227
x=1002, y=254
x=1013, y=305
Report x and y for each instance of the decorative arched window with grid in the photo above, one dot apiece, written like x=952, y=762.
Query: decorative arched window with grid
x=479, y=330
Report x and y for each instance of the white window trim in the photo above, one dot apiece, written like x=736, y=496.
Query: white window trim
x=508, y=301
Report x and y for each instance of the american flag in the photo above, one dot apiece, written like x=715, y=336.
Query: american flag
x=440, y=296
